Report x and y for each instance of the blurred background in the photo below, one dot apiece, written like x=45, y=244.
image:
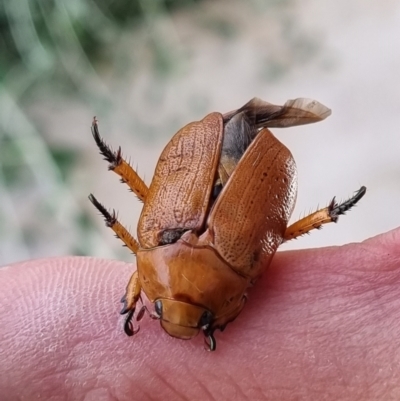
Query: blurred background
x=145, y=68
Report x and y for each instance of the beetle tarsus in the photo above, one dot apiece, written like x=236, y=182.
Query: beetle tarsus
x=335, y=209
x=109, y=218
x=128, y=326
x=114, y=158
x=111, y=221
x=119, y=165
x=210, y=342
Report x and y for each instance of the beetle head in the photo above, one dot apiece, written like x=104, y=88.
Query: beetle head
x=182, y=320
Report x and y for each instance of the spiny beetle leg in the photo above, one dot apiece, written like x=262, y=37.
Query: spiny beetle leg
x=133, y=289
x=111, y=221
x=323, y=216
x=130, y=300
x=132, y=293
x=119, y=165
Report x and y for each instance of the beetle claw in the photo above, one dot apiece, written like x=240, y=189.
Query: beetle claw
x=128, y=326
x=124, y=308
x=129, y=330
x=210, y=342
x=135, y=331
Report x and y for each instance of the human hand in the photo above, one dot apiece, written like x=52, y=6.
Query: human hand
x=320, y=324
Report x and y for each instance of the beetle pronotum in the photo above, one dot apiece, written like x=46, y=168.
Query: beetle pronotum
x=214, y=215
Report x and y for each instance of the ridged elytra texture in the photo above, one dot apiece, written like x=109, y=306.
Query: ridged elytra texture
x=250, y=216
x=180, y=190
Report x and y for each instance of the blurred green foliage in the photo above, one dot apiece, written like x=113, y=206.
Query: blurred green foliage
x=31, y=31
x=50, y=49
x=85, y=52
x=59, y=41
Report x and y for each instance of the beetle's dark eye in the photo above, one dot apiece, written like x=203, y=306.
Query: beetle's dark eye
x=206, y=319
x=158, y=308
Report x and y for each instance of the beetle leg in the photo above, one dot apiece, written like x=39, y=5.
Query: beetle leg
x=209, y=341
x=111, y=221
x=143, y=309
x=119, y=165
x=130, y=300
x=328, y=214
x=128, y=326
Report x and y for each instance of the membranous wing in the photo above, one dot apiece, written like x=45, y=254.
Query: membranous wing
x=242, y=126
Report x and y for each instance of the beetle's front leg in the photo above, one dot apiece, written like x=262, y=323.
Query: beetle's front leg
x=323, y=216
x=130, y=300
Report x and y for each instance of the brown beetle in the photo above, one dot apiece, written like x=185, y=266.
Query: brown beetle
x=214, y=215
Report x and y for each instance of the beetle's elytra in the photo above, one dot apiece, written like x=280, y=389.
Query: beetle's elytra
x=214, y=215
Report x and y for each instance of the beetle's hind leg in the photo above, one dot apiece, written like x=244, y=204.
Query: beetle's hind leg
x=119, y=165
x=323, y=216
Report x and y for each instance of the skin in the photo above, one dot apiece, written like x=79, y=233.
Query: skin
x=320, y=324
